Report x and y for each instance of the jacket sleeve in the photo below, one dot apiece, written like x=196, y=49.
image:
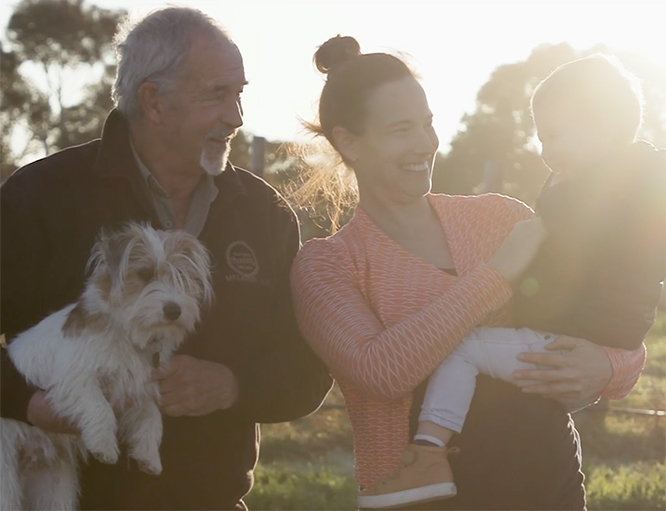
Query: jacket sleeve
x=24, y=248
x=621, y=317
x=285, y=379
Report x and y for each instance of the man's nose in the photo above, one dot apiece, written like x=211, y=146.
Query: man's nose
x=232, y=115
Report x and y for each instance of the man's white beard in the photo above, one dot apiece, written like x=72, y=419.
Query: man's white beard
x=214, y=164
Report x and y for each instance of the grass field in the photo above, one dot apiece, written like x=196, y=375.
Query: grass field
x=308, y=464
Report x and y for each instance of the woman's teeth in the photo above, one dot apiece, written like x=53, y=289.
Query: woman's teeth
x=417, y=167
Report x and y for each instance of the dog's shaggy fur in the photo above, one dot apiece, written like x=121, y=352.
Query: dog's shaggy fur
x=94, y=357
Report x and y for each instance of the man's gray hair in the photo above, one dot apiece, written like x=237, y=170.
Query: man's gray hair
x=153, y=49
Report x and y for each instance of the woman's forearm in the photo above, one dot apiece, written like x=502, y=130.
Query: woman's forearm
x=627, y=366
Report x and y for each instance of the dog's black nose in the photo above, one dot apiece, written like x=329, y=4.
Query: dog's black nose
x=171, y=311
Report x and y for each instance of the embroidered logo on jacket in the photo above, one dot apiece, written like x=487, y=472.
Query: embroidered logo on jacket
x=243, y=261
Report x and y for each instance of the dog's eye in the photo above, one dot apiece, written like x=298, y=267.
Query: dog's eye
x=146, y=274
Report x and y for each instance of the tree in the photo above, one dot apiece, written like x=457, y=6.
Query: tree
x=58, y=44
x=17, y=100
x=496, y=151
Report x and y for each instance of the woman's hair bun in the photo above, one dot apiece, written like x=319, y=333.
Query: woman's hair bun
x=335, y=51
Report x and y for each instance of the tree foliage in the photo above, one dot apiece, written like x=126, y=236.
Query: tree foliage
x=18, y=101
x=55, y=45
x=57, y=72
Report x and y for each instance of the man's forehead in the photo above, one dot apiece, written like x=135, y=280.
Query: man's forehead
x=217, y=61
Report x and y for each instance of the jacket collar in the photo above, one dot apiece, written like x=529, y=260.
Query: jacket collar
x=115, y=160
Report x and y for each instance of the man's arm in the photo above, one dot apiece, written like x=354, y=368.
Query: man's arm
x=286, y=379
x=23, y=264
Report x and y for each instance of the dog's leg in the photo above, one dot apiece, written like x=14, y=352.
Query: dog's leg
x=54, y=487
x=10, y=485
x=141, y=426
x=91, y=412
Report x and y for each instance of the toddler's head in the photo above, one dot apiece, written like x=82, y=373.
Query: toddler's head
x=586, y=111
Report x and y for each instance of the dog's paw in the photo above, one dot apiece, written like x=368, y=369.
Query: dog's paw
x=106, y=452
x=152, y=467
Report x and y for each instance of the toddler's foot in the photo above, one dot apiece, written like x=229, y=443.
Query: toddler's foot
x=424, y=475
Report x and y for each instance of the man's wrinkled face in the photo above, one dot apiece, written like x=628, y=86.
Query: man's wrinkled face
x=204, y=109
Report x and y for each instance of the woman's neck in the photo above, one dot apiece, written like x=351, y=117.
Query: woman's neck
x=415, y=226
x=393, y=216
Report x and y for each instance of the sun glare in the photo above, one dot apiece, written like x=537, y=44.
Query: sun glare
x=455, y=45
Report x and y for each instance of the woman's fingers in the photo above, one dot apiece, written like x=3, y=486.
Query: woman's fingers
x=578, y=369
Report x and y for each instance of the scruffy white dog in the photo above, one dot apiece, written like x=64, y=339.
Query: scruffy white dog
x=142, y=299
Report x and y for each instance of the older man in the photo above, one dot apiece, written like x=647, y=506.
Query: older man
x=162, y=158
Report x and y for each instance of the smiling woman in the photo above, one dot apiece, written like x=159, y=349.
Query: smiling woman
x=389, y=296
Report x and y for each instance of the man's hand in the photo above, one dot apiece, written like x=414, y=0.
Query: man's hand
x=189, y=386
x=41, y=414
x=580, y=370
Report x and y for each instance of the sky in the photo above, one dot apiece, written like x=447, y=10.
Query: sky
x=454, y=45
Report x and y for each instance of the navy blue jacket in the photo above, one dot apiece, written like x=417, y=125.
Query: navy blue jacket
x=52, y=211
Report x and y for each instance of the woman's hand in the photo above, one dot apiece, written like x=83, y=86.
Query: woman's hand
x=519, y=248
x=579, y=370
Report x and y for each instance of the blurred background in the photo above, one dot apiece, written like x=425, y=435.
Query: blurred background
x=479, y=62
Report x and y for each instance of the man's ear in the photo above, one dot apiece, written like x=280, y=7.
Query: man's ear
x=346, y=143
x=150, y=101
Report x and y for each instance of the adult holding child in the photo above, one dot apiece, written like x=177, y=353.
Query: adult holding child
x=390, y=295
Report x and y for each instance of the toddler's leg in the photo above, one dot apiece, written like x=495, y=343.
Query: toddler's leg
x=425, y=473
x=449, y=394
x=498, y=355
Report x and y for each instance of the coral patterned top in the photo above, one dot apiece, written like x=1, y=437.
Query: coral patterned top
x=382, y=318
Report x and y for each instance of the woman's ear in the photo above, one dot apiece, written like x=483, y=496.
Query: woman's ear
x=150, y=101
x=346, y=143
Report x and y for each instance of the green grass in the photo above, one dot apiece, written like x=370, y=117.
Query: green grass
x=308, y=464
x=631, y=486
x=304, y=486
x=624, y=454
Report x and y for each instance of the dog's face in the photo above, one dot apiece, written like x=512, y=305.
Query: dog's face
x=155, y=282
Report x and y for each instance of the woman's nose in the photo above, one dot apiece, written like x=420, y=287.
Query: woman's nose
x=427, y=141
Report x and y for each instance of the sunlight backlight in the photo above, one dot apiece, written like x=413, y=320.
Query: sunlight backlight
x=454, y=45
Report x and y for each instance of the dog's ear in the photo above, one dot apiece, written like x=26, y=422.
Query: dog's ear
x=113, y=245
x=114, y=253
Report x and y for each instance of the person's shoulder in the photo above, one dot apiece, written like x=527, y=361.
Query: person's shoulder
x=332, y=250
x=260, y=192
x=315, y=256
x=485, y=204
x=54, y=171
x=256, y=185
x=321, y=247
x=250, y=178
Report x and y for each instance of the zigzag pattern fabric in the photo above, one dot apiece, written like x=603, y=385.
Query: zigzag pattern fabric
x=382, y=318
